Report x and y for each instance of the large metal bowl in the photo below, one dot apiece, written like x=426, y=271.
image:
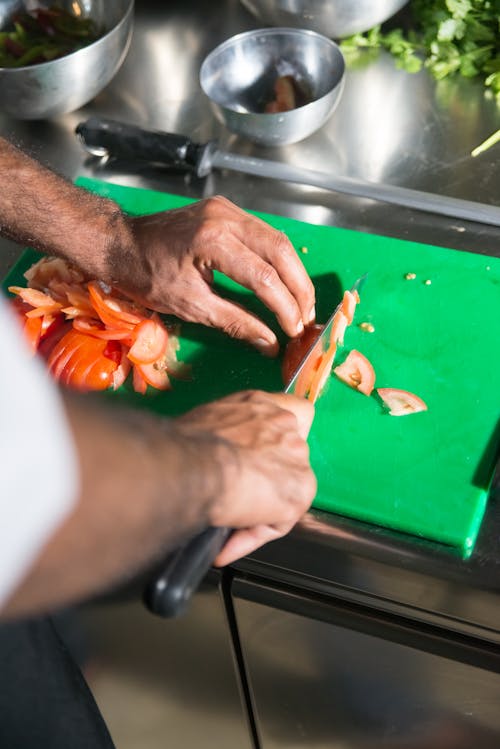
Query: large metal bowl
x=334, y=18
x=52, y=88
x=238, y=77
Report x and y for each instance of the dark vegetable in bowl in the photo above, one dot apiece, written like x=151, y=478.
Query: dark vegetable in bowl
x=44, y=34
x=288, y=94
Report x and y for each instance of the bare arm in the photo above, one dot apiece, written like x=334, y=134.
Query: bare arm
x=147, y=483
x=165, y=260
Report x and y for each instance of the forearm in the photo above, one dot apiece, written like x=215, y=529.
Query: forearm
x=144, y=488
x=43, y=210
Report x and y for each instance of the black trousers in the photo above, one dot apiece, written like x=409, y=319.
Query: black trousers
x=45, y=702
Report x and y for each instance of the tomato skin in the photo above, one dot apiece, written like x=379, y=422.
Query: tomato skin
x=297, y=348
x=322, y=373
x=92, y=327
x=150, y=340
x=33, y=332
x=401, y=402
x=154, y=374
x=84, y=362
x=139, y=383
x=114, y=312
x=357, y=372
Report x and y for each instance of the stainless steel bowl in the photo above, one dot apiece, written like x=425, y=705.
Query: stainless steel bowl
x=52, y=88
x=334, y=18
x=238, y=77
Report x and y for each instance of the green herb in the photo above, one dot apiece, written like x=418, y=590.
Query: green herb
x=448, y=37
x=43, y=35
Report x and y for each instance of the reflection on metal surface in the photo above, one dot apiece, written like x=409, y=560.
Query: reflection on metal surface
x=166, y=683
x=334, y=18
x=324, y=685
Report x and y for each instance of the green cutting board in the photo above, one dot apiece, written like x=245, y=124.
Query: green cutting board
x=426, y=474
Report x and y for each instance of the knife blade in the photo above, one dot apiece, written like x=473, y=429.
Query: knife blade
x=103, y=137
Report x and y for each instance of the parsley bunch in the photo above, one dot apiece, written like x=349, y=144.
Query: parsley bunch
x=447, y=37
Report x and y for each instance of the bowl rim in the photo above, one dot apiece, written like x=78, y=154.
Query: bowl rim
x=41, y=65
x=271, y=31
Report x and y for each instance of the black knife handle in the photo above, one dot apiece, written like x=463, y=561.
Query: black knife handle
x=169, y=592
x=121, y=140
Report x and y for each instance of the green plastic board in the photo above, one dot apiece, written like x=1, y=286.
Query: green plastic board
x=426, y=474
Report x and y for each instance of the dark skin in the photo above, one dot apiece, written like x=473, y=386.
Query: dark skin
x=147, y=483
x=165, y=260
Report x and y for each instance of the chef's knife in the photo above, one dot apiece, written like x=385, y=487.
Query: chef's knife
x=170, y=590
x=120, y=140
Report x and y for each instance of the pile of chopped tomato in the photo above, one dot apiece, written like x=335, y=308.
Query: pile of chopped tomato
x=91, y=335
x=356, y=370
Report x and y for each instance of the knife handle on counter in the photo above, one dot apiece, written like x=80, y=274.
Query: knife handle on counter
x=103, y=137
x=169, y=592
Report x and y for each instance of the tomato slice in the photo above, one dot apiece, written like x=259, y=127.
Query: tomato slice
x=122, y=371
x=52, y=335
x=155, y=374
x=150, y=342
x=84, y=362
x=62, y=351
x=339, y=326
x=33, y=332
x=349, y=302
x=401, y=402
x=322, y=374
x=113, y=311
x=97, y=329
x=139, y=383
x=37, y=299
x=357, y=372
x=297, y=348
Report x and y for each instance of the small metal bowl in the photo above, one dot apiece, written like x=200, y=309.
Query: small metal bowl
x=51, y=88
x=238, y=77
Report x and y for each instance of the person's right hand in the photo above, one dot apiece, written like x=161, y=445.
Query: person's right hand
x=267, y=482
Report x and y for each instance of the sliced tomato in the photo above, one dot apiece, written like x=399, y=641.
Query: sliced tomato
x=113, y=311
x=349, y=302
x=154, y=374
x=357, y=372
x=401, y=402
x=339, y=326
x=52, y=335
x=122, y=371
x=48, y=271
x=150, y=342
x=95, y=328
x=36, y=298
x=84, y=362
x=322, y=374
x=139, y=383
x=33, y=332
x=297, y=348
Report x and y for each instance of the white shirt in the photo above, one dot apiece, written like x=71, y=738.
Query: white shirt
x=38, y=466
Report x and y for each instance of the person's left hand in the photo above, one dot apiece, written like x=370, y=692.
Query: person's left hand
x=169, y=262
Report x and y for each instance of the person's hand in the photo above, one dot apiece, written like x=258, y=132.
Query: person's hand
x=169, y=264
x=267, y=482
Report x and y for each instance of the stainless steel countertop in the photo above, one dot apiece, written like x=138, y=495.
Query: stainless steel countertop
x=389, y=127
